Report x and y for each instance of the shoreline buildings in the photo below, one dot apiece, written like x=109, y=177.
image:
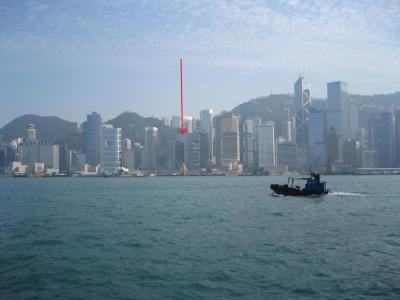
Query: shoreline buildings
x=339, y=134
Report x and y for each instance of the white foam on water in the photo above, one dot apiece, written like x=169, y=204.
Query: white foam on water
x=344, y=194
x=277, y=195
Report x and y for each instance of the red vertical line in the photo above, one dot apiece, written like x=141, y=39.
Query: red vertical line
x=181, y=95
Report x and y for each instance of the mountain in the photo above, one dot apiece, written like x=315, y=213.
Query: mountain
x=133, y=127
x=48, y=129
x=264, y=107
x=274, y=107
x=386, y=100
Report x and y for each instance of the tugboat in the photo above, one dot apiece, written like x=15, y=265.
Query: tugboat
x=314, y=186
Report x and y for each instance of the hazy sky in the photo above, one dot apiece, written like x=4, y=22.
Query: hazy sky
x=71, y=57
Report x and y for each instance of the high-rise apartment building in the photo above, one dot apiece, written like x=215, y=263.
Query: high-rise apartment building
x=110, y=149
x=92, y=135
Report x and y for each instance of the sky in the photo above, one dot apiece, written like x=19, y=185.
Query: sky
x=71, y=57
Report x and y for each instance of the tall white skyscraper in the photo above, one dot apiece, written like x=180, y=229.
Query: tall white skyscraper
x=266, y=146
x=110, y=149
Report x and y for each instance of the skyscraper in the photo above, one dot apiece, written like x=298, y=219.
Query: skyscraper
x=249, y=142
x=30, y=133
x=92, y=134
x=353, y=120
x=3, y=159
x=338, y=112
x=150, y=147
x=316, y=141
x=111, y=149
x=266, y=146
x=369, y=159
x=187, y=122
x=206, y=125
x=332, y=147
x=286, y=155
x=40, y=152
x=127, y=153
x=227, y=139
x=175, y=148
x=350, y=152
x=397, y=137
x=383, y=138
x=196, y=150
x=302, y=105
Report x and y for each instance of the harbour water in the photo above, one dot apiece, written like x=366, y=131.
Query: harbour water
x=198, y=238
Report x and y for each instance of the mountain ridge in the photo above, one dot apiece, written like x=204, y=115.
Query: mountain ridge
x=53, y=128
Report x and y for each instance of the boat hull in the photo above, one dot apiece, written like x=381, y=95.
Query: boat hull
x=284, y=189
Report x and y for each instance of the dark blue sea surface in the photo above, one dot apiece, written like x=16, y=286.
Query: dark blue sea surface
x=198, y=238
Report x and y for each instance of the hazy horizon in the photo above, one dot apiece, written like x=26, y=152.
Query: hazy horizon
x=68, y=59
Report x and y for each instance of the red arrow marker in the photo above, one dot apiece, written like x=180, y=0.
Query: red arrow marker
x=182, y=129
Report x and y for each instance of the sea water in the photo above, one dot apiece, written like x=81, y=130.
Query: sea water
x=198, y=238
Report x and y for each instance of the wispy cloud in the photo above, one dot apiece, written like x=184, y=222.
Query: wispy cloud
x=355, y=36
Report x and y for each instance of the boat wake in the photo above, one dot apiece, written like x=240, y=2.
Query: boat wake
x=346, y=194
x=277, y=195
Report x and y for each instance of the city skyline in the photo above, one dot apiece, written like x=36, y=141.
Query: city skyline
x=123, y=56
x=342, y=134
